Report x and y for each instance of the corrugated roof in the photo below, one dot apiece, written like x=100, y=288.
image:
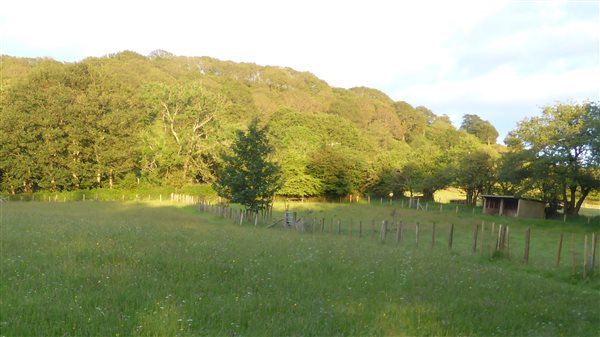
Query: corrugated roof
x=510, y=197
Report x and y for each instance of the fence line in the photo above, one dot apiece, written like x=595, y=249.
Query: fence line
x=493, y=241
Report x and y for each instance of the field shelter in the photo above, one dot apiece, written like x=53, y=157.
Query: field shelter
x=515, y=206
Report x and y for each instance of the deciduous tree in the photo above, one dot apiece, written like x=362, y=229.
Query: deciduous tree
x=564, y=145
x=480, y=128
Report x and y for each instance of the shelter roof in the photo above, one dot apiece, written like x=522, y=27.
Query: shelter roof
x=516, y=197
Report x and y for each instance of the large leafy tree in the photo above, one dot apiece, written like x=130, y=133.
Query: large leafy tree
x=339, y=169
x=247, y=175
x=480, y=128
x=563, y=145
x=64, y=127
x=296, y=182
x=182, y=135
x=476, y=174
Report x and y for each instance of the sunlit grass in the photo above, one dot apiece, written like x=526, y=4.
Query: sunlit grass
x=100, y=268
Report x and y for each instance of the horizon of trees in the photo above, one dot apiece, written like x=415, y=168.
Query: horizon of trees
x=127, y=120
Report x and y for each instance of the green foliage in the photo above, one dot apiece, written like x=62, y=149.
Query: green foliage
x=63, y=128
x=247, y=176
x=481, y=129
x=515, y=171
x=338, y=168
x=561, y=149
x=182, y=138
x=476, y=174
x=163, y=119
x=390, y=181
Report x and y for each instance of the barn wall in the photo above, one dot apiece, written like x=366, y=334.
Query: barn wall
x=491, y=206
x=531, y=209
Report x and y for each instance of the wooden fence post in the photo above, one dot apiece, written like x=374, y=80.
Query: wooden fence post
x=360, y=229
x=490, y=249
x=527, y=241
x=507, y=241
x=481, y=251
x=594, y=244
x=451, y=236
x=499, y=240
x=475, y=233
x=559, y=250
x=383, y=230
x=585, y=255
x=433, y=235
x=417, y=234
x=398, y=228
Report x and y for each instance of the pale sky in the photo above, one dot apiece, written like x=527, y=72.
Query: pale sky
x=501, y=60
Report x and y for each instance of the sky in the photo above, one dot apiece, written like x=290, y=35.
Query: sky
x=501, y=60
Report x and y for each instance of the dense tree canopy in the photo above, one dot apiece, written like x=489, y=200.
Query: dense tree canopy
x=561, y=149
x=481, y=129
x=126, y=120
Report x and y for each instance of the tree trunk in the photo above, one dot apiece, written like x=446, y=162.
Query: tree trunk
x=584, y=194
x=76, y=181
x=474, y=197
x=565, y=199
x=469, y=196
x=428, y=194
x=569, y=203
x=573, y=190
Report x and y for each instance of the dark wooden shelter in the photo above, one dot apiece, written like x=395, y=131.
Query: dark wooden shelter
x=515, y=206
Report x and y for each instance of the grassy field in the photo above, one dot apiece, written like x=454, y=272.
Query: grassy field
x=157, y=269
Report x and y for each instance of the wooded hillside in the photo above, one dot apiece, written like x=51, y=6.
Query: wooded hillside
x=127, y=119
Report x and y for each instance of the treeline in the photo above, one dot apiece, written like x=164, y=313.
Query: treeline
x=127, y=120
